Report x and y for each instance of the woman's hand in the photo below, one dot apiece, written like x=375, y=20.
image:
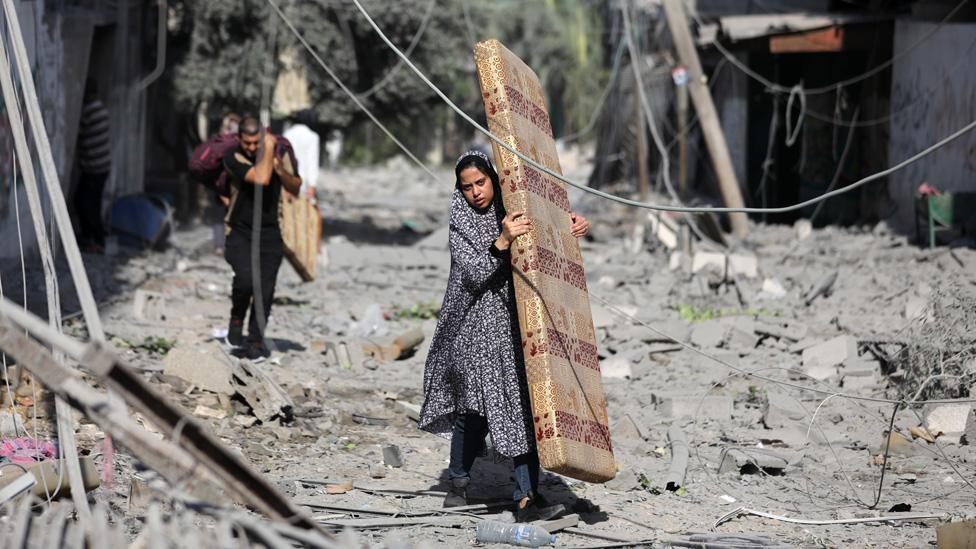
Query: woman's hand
x=580, y=225
x=514, y=225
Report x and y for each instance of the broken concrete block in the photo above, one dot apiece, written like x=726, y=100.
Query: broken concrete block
x=731, y=264
x=860, y=373
x=741, y=340
x=377, y=470
x=209, y=413
x=615, y=367
x=948, y=422
x=625, y=481
x=708, y=334
x=664, y=228
x=803, y=228
x=203, y=365
x=750, y=461
x=391, y=456
x=781, y=411
x=821, y=361
x=792, y=331
x=714, y=407
x=148, y=305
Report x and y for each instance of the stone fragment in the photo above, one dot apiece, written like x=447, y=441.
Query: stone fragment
x=625, y=481
x=148, y=305
x=781, y=410
x=948, y=422
x=708, y=334
x=391, y=456
x=209, y=413
x=746, y=461
x=203, y=365
x=714, y=407
x=822, y=360
x=377, y=470
x=245, y=421
x=723, y=264
x=803, y=228
x=742, y=340
x=615, y=367
x=792, y=331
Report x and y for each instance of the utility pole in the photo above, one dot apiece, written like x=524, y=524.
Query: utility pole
x=681, y=95
x=701, y=97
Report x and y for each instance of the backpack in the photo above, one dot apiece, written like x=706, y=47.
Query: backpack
x=206, y=164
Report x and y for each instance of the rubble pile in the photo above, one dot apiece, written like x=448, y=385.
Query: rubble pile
x=719, y=364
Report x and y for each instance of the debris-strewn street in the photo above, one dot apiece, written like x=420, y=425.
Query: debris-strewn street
x=331, y=416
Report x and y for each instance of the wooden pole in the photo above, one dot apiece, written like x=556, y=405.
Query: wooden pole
x=707, y=116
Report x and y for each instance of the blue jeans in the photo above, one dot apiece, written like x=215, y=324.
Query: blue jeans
x=468, y=440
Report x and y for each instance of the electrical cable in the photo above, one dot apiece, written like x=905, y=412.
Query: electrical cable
x=410, y=47
x=501, y=143
x=349, y=92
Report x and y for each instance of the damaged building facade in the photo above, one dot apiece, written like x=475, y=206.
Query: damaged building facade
x=68, y=41
x=793, y=82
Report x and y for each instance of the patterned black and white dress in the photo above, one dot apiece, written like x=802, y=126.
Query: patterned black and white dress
x=475, y=363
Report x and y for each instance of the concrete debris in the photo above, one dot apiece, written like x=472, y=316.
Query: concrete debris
x=399, y=348
x=745, y=461
x=716, y=408
x=209, y=413
x=204, y=366
x=823, y=360
x=781, y=410
x=392, y=457
x=616, y=367
x=803, y=228
x=147, y=305
x=790, y=331
x=625, y=481
x=949, y=423
x=724, y=265
x=664, y=228
x=708, y=334
x=825, y=287
x=267, y=399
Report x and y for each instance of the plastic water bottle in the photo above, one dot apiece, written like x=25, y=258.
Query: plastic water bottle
x=523, y=535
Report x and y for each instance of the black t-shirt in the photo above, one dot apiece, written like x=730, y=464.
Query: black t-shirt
x=240, y=215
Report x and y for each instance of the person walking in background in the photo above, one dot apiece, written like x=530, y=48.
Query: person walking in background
x=307, y=146
x=95, y=161
x=257, y=176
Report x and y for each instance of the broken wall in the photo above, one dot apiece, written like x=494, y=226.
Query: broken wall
x=935, y=84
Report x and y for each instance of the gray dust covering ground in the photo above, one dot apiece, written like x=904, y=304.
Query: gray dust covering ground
x=893, y=317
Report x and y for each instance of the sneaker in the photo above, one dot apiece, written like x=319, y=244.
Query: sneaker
x=235, y=332
x=536, y=508
x=457, y=496
x=257, y=351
